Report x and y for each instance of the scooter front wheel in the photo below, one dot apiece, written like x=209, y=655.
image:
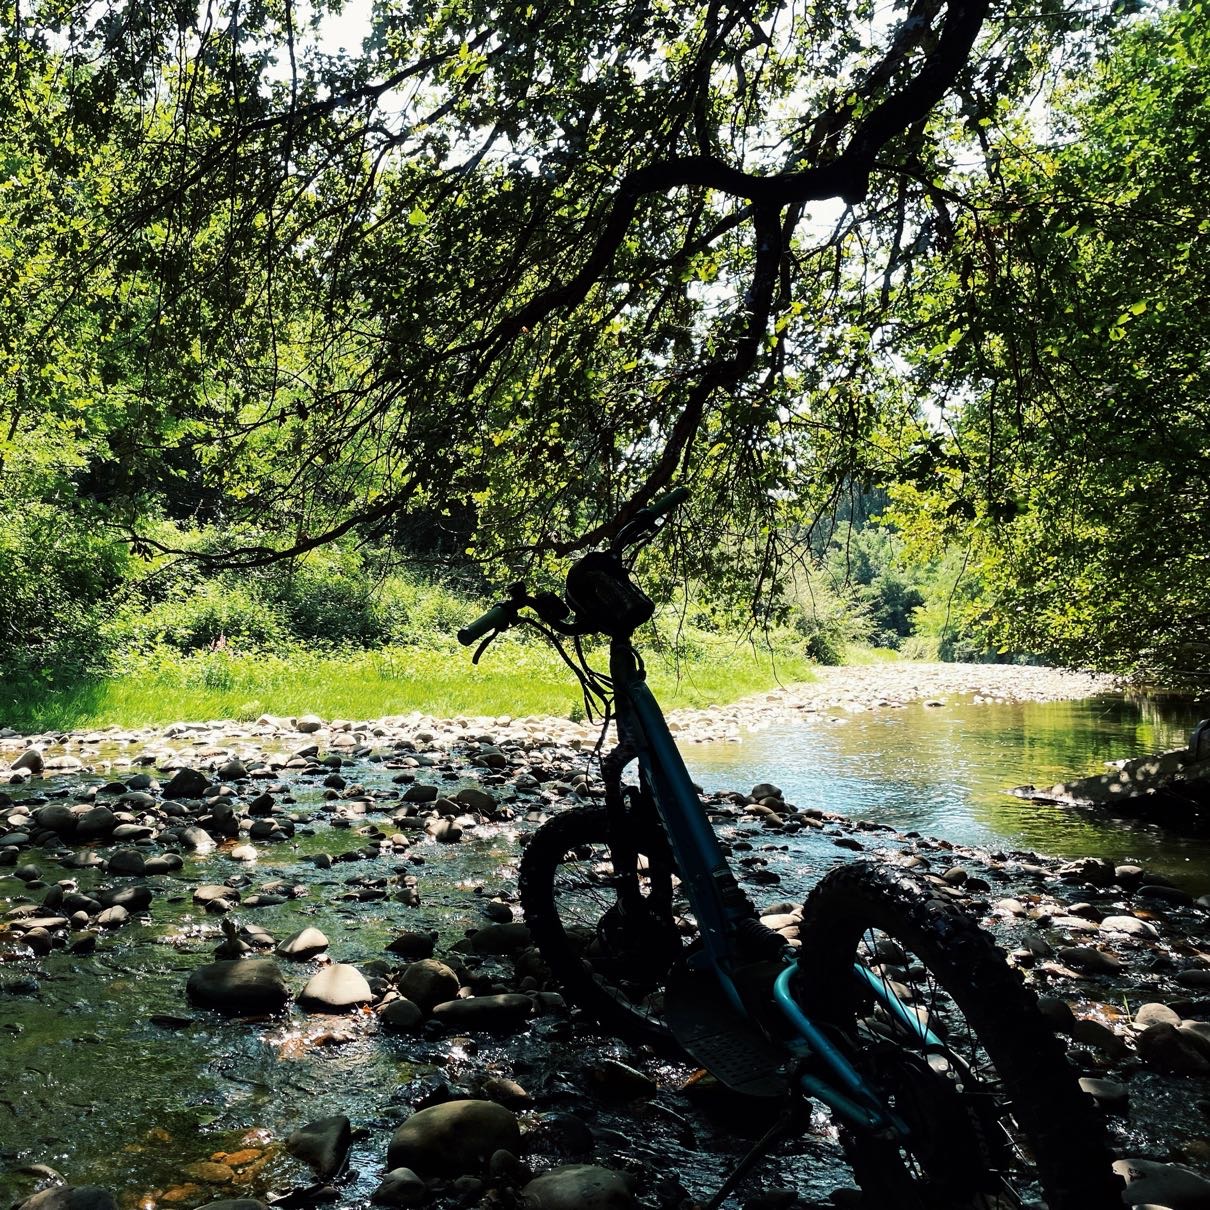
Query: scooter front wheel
x=936, y=1020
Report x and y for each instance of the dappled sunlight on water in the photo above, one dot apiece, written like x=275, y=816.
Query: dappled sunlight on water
x=944, y=771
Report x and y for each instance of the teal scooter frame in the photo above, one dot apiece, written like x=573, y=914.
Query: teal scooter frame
x=922, y=1123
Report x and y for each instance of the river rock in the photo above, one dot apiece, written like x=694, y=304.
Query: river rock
x=763, y=790
x=612, y=1078
x=232, y=770
x=69, y=1197
x=253, y=986
x=304, y=944
x=578, y=1187
x=195, y=839
x=209, y=892
x=31, y=761
x=475, y=798
x=322, y=1145
x=127, y=862
x=413, y=945
x=1108, y=1094
x=503, y=1012
x=1149, y=1183
x=444, y=831
x=308, y=724
x=235, y=1203
x=1156, y=1014
x=418, y=792
x=427, y=983
x=1094, y=1033
x=338, y=988
x=1164, y=1047
x=113, y=917
x=1130, y=925
x=400, y=1187
x=56, y=818
x=453, y=1138
x=401, y=1016
x=1058, y=1014
x=501, y=938
x=95, y=823
x=132, y=898
x=186, y=783
x=1087, y=958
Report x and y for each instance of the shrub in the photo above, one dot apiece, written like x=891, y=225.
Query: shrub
x=58, y=578
x=210, y=615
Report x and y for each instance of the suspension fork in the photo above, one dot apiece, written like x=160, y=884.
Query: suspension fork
x=622, y=837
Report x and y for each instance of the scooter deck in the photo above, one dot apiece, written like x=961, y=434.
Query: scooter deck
x=712, y=1033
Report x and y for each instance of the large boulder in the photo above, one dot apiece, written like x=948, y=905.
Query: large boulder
x=454, y=1138
x=338, y=988
x=251, y=987
x=579, y=1187
x=186, y=783
x=428, y=983
x=322, y=1145
x=70, y=1197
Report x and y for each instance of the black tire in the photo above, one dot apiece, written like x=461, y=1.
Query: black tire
x=569, y=896
x=1028, y=1136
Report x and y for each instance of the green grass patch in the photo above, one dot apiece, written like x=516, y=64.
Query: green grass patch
x=513, y=678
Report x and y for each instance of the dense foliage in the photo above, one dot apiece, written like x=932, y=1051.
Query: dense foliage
x=495, y=276
x=1064, y=330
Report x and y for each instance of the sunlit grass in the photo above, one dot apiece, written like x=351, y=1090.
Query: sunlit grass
x=513, y=678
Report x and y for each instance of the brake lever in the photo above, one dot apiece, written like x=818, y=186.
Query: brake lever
x=487, y=642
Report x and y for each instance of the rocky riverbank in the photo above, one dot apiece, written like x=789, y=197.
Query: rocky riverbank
x=284, y=963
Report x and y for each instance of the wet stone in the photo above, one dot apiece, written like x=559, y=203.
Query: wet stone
x=304, y=944
x=322, y=1145
x=339, y=988
x=501, y=1012
x=251, y=986
x=186, y=783
x=1150, y=1183
x=400, y=1187
x=413, y=945
x=455, y=1138
x=579, y=1187
x=401, y=1016
x=428, y=983
x=68, y=1197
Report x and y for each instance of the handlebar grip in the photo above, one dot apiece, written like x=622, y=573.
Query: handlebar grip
x=497, y=618
x=667, y=502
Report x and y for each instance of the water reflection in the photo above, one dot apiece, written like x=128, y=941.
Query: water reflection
x=943, y=770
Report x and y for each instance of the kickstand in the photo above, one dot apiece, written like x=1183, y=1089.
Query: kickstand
x=759, y=1149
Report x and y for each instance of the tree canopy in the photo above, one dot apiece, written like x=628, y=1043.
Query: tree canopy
x=1066, y=326
x=498, y=275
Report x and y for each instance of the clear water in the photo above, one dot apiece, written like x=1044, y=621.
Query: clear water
x=945, y=770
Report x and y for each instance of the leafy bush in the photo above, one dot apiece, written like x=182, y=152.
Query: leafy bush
x=58, y=578
x=829, y=615
x=327, y=597
x=415, y=611
x=210, y=615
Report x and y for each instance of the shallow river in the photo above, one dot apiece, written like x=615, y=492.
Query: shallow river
x=944, y=770
x=109, y=1076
